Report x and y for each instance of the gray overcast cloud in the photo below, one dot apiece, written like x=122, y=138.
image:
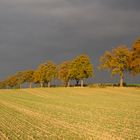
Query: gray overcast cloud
x=33, y=31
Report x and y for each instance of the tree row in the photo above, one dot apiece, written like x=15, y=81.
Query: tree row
x=118, y=61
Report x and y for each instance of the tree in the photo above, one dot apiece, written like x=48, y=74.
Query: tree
x=11, y=82
x=28, y=75
x=2, y=84
x=117, y=61
x=15, y=80
x=40, y=75
x=45, y=73
x=51, y=72
x=135, y=62
x=80, y=69
x=63, y=72
x=20, y=78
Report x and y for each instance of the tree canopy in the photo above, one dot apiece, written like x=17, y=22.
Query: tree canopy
x=63, y=72
x=135, y=63
x=40, y=75
x=51, y=72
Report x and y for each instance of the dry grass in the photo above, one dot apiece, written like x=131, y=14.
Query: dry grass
x=70, y=113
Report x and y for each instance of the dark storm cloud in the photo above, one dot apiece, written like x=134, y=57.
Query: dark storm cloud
x=121, y=4
x=32, y=31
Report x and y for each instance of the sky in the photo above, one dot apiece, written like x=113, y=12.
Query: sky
x=34, y=31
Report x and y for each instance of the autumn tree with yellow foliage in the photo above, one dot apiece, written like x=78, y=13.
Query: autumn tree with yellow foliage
x=51, y=72
x=45, y=73
x=81, y=68
x=40, y=75
x=28, y=77
x=63, y=73
x=135, y=62
x=117, y=61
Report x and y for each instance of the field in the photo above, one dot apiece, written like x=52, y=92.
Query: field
x=70, y=114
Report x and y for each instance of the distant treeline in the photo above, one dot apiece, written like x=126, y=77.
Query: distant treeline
x=118, y=61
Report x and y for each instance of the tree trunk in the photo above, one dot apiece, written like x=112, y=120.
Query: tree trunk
x=121, y=80
x=65, y=83
x=41, y=84
x=82, y=83
x=77, y=82
x=20, y=86
x=68, y=84
x=49, y=84
x=30, y=85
